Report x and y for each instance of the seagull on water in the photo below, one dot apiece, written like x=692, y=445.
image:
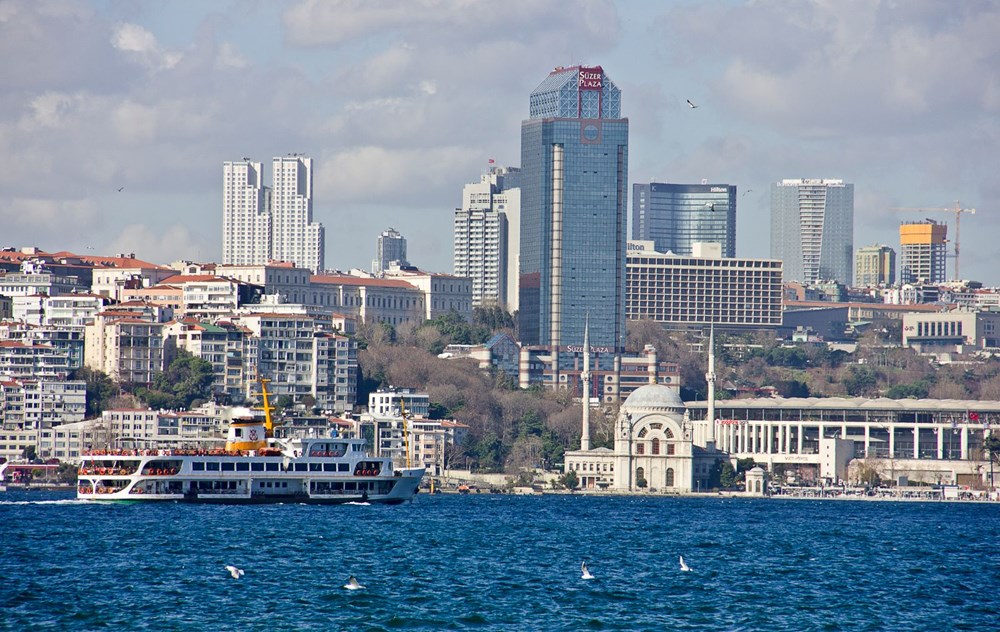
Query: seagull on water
x=584, y=571
x=120, y=189
x=353, y=584
x=684, y=566
x=235, y=572
x=691, y=105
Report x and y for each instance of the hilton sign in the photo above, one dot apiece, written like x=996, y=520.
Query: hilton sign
x=590, y=78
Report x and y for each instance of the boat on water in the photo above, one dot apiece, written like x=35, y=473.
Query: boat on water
x=254, y=467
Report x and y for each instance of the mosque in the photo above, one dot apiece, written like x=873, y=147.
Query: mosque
x=664, y=445
x=657, y=446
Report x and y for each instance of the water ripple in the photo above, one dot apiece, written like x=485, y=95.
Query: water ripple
x=500, y=563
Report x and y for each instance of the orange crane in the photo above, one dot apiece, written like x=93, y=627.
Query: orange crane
x=957, y=210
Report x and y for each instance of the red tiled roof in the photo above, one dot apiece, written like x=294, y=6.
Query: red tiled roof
x=110, y=262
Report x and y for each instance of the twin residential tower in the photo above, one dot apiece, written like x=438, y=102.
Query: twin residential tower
x=261, y=223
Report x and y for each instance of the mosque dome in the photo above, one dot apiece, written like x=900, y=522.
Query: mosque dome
x=654, y=396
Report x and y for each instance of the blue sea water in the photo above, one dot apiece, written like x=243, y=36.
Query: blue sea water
x=487, y=562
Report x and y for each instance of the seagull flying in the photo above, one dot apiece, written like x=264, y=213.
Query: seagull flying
x=684, y=566
x=120, y=189
x=747, y=191
x=584, y=571
x=235, y=572
x=691, y=105
x=352, y=583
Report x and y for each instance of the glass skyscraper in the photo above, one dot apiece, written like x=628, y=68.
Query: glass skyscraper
x=675, y=216
x=812, y=229
x=574, y=174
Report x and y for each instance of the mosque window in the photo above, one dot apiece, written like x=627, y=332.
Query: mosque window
x=655, y=446
x=640, y=448
x=670, y=477
x=670, y=448
x=655, y=426
x=668, y=433
x=643, y=433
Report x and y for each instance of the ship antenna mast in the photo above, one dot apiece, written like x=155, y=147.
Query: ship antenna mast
x=267, y=408
x=406, y=433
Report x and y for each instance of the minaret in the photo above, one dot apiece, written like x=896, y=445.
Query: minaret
x=710, y=378
x=585, y=377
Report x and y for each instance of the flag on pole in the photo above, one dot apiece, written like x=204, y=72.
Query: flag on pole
x=492, y=161
x=972, y=415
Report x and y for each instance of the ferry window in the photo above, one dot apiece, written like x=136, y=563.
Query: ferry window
x=243, y=467
x=228, y=467
x=213, y=466
x=284, y=483
x=300, y=467
x=330, y=467
x=315, y=467
x=272, y=467
x=238, y=431
x=257, y=467
x=343, y=467
x=198, y=466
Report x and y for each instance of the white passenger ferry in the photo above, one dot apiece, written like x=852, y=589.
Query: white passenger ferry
x=254, y=467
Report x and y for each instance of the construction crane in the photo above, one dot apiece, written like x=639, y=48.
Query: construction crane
x=957, y=210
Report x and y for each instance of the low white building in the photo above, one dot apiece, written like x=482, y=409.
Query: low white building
x=952, y=332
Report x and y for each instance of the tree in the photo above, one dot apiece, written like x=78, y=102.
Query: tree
x=861, y=381
x=570, y=480
x=991, y=446
x=867, y=472
x=727, y=475
x=100, y=389
x=792, y=388
x=917, y=390
x=66, y=473
x=493, y=317
x=490, y=453
x=187, y=378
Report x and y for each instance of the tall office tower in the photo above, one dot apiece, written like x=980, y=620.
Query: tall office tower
x=390, y=246
x=923, y=251
x=246, y=217
x=294, y=235
x=875, y=266
x=574, y=179
x=486, y=236
x=676, y=216
x=812, y=229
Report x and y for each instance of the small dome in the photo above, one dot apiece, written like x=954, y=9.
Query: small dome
x=654, y=396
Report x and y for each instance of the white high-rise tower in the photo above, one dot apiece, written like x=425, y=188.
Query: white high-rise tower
x=812, y=229
x=487, y=237
x=246, y=218
x=294, y=235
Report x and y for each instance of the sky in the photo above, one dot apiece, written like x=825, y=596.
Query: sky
x=400, y=104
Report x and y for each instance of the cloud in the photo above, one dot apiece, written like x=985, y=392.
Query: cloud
x=132, y=38
x=229, y=57
x=451, y=23
x=172, y=243
x=826, y=68
x=378, y=175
